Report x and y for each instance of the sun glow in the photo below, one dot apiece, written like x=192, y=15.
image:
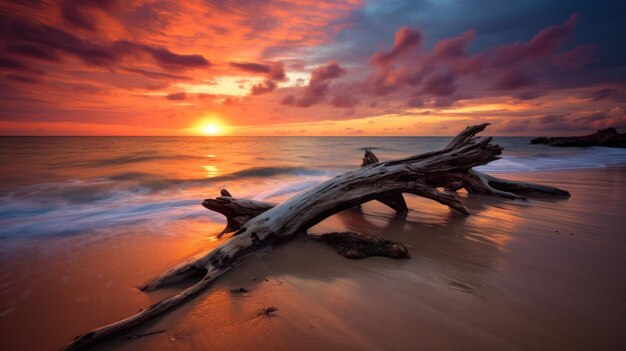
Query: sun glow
x=209, y=126
x=210, y=129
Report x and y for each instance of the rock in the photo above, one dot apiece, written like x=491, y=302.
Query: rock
x=608, y=137
x=357, y=246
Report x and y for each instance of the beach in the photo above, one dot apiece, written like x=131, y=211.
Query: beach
x=546, y=273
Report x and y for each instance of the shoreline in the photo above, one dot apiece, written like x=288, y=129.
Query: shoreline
x=501, y=278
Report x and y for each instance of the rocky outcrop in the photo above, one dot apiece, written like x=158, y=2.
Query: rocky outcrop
x=604, y=137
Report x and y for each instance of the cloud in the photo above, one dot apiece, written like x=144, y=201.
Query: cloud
x=164, y=57
x=406, y=39
x=288, y=100
x=33, y=51
x=21, y=78
x=77, y=12
x=157, y=75
x=439, y=84
x=108, y=59
x=574, y=59
x=177, y=96
x=540, y=46
x=318, y=85
x=511, y=80
x=614, y=117
x=601, y=94
x=453, y=48
x=275, y=72
x=251, y=67
x=38, y=38
x=345, y=101
x=530, y=95
x=262, y=88
x=9, y=63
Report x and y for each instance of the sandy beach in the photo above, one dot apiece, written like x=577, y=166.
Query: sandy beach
x=541, y=274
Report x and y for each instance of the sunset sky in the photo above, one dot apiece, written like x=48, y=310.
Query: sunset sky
x=244, y=67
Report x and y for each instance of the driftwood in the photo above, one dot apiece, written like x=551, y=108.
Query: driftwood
x=257, y=225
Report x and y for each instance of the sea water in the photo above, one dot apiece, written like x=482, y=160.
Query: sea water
x=67, y=185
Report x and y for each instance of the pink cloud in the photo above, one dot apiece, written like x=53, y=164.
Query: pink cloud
x=540, y=46
x=318, y=85
x=453, y=48
x=512, y=79
x=406, y=39
x=575, y=58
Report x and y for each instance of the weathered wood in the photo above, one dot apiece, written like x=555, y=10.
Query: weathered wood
x=236, y=211
x=420, y=174
x=476, y=182
x=239, y=211
x=394, y=200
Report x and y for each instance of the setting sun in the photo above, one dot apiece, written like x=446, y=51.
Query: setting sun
x=210, y=126
x=210, y=129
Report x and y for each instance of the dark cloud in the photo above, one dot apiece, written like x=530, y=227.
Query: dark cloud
x=601, y=94
x=328, y=72
x=416, y=102
x=252, y=67
x=345, y=101
x=78, y=12
x=576, y=58
x=274, y=71
x=288, y=100
x=156, y=75
x=439, y=84
x=262, y=88
x=34, y=39
x=21, y=78
x=513, y=79
x=33, y=51
x=530, y=95
x=15, y=65
x=165, y=58
x=549, y=119
x=177, y=96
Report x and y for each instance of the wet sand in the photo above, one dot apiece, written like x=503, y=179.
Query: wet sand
x=541, y=274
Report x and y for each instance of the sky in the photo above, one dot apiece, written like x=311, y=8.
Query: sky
x=265, y=67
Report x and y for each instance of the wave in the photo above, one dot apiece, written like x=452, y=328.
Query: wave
x=127, y=159
x=54, y=220
x=552, y=160
x=77, y=206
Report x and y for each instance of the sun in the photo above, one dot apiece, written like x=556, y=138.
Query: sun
x=209, y=126
x=210, y=129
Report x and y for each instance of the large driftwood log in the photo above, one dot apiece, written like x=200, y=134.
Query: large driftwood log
x=240, y=211
x=260, y=224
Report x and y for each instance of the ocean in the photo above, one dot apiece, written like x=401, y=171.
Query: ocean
x=77, y=185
